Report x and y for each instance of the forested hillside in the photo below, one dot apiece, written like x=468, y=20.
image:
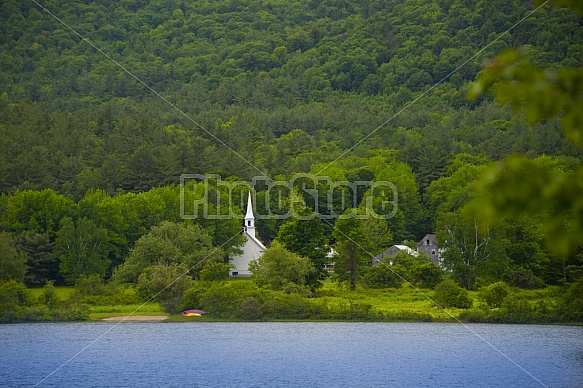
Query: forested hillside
x=96, y=132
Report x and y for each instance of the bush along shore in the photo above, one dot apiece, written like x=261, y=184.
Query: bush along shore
x=244, y=300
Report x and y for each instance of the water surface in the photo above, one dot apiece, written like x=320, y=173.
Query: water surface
x=291, y=355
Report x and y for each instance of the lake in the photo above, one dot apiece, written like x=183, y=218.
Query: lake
x=291, y=354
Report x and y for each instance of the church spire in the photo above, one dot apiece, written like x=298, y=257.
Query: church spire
x=249, y=218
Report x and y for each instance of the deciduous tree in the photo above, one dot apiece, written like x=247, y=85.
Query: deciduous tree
x=280, y=269
x=166, y=245
x=82, y=248
x=469, y=252
x=307, y=239
x=12, y=262
x=353, y=250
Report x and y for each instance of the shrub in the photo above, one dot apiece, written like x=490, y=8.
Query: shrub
x=574, y=272
x=384, y=276
x=165, y=284
x=49, y=296
x=516, y=310
x=251, y=310
x=90, y=285
x=523, y=278
x=287, y=306
x=110, y=294
x=475, y=315
x=126, y=295
x=426, y=275
x=224, y=300
x=494, y=294
x=407, y=316
x=214, y=271
x=14, y=301
x=361, y=311
x=192, y=298
x=39, y=313
x=449, y=294
x=572, y=302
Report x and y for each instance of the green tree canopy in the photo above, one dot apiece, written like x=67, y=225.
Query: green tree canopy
x=307, y=239
x=471, y=253
x=165, y=283
x=42, y=266
x=12, y=263
x=82, y=249
x=166, y=245
x=281, y=270
x=352, y=250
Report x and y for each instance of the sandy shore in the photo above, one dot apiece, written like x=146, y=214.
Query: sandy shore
x=137, y=318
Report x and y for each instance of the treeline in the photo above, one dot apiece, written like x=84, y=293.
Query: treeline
x=47, y=237
x=55, y=238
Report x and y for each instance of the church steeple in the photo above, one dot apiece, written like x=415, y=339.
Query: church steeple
x=249, y=218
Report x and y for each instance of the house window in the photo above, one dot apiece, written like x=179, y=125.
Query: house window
x=427, y=242
x=235, y=273
x=249, y=223
x=433, y=252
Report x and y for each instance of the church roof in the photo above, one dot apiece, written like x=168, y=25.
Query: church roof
x=255, y=240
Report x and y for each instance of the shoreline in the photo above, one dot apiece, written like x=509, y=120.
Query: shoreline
x=136, y=318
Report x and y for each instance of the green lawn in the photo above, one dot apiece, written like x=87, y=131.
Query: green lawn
x=63, y=293
x=100, y=312
x=396, y=302
x=404, y=300
x=150, y=308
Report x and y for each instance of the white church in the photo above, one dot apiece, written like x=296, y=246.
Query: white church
x=252, y=249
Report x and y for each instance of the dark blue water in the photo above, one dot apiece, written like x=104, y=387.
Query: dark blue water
x=291, y=355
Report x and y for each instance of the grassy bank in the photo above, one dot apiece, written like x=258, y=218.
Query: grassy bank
x=401, y=302
x=242, y=300
x=61, y=293
x=108, y=311
x=332, y=303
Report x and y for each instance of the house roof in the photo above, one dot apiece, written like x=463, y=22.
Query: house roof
x=429, y=236
x=406, y=249
x=400, y=248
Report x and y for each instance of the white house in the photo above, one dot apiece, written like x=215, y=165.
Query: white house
x=252, y=249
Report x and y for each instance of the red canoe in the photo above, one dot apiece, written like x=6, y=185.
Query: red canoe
x=193, y=313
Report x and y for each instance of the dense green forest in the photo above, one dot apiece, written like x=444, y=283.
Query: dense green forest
x=104, y=105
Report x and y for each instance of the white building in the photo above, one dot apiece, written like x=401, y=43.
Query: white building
x=252, y=249
x=392, y=251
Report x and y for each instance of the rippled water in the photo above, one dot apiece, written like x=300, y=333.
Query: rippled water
x=291, y=354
